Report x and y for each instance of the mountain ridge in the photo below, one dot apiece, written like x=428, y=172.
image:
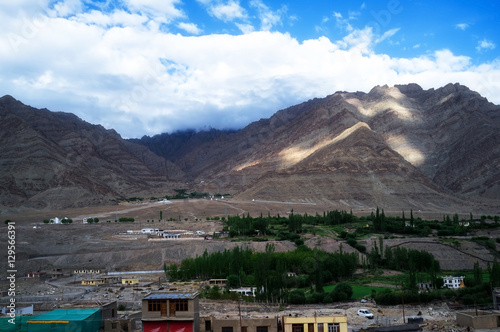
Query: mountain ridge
x=399, y=146
x=55, y=160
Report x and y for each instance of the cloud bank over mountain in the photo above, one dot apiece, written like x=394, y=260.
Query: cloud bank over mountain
x=145, y=67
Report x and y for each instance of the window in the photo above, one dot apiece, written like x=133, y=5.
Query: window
x=243, y=329
x=208, y=325
x=180, y=305
x=320, y=327
x=261, y=328
x=297, y=327
x=333, y=327
x=227, y=329
x=154, y=305
x=310, y=327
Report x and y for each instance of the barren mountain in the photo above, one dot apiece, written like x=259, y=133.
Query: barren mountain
x=396, y=147
x=53, y=160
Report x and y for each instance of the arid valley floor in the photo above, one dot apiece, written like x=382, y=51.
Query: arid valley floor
x=44, y=247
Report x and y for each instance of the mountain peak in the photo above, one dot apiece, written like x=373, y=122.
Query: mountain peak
x=8, y=99
x=409, y=88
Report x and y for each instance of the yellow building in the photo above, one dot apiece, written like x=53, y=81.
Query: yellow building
x=130, y=281
x=92, y=282
x=315, y=324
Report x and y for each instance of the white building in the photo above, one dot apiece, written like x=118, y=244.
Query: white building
x=171, y=236
x=248, y=291
x=453, y=282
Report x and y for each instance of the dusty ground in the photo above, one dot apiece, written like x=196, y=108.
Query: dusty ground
x=96, y=246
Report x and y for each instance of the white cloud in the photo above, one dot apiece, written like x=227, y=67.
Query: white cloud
x=484, y=44
x=114, y=69
x=245, y=28
x=68, y=7
x=267, y=17
x=189, y=27
x=161, y=11
x=386, y=35
x=229, y=11
x=462, y=26
x=119, y=17
x=342, y=22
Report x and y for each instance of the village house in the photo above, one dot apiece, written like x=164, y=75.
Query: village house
x=37, y=275
x=130, y=281
x=315, y=324
x=93, y=282
x=234, y=324
x=171, y=312
x=453, y=282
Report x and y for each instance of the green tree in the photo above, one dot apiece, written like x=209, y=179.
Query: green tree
x=478, y=274
x=173, y=272
x=495, y=274
x=345, y=288
x=297, y=297
x=233, y=281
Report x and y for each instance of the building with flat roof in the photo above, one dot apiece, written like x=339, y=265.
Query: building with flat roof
x=235, y=324
x=171, y=312
x=453, y=282
x=315, y=324
x=61, y=320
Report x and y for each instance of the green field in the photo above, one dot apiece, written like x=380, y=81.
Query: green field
x=358, y=292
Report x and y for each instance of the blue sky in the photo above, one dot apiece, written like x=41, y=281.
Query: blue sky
x=148, y=66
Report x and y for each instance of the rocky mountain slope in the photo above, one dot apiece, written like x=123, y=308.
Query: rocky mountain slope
x=396, y=147
x=52, y=160
x=172, y=146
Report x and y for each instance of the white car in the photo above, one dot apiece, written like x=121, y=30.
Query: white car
x=365, y=313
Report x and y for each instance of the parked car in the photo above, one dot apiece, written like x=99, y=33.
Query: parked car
x=365, y=313
x=363, y=301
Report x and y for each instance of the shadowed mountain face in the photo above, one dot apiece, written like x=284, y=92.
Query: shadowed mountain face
x=401, y=146
x=54, y=160
x=398, y=147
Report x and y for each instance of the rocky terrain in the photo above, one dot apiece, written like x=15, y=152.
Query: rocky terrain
x=398, y=147
x=53, y=160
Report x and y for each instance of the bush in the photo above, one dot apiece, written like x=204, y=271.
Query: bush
x=388, y=297
x=352, y=242
x=360, y=247
x=317, y=297
x=343, y=287
x=297, y=297
x=299, y=242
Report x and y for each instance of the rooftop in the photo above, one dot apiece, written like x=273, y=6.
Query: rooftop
x=171, y=295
